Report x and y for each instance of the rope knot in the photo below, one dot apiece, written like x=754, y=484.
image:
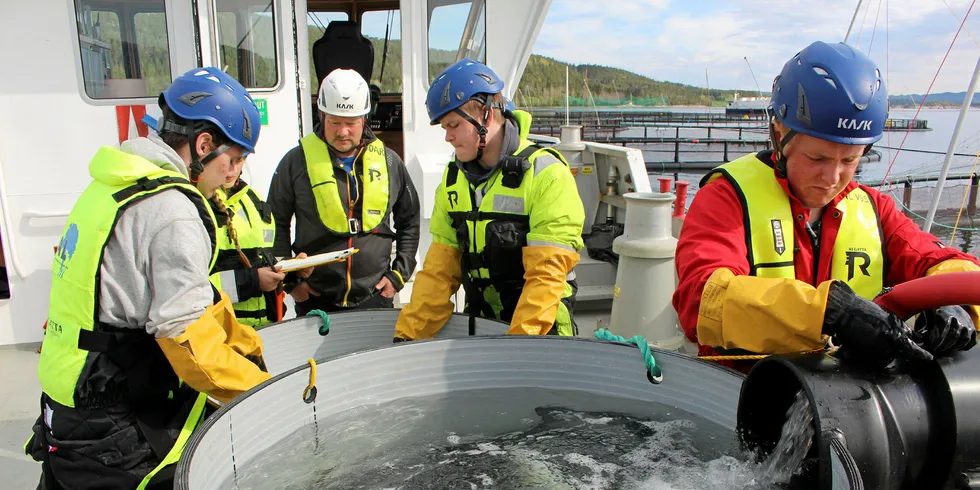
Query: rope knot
x=654, y=374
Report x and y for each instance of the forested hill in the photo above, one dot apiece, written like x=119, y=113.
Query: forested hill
x=543, y=84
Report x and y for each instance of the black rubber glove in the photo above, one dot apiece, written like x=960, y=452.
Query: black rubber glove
x=945, y=330
x=865, y=331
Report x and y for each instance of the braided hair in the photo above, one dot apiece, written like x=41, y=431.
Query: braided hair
x=228, y=215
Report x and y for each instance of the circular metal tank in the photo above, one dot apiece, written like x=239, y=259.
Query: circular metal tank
x=246, y=428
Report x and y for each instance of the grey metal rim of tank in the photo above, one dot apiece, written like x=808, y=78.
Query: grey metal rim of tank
x=291, y=343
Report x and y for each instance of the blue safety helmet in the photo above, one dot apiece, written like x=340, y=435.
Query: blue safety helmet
x=209, y=94
x=457, y=84
x=832, y=92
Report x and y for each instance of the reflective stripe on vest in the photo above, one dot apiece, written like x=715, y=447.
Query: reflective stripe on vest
x=255, y=229
x=505, y=209
x=858, y=256
x=75, y=282
x=374, y=178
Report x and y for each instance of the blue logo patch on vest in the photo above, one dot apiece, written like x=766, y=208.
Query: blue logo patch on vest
x=66, y=248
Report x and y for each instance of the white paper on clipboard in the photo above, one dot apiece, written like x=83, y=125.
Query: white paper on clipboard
x=290, y=265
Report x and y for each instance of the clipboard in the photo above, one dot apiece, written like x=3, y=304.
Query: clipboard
x=290, y=265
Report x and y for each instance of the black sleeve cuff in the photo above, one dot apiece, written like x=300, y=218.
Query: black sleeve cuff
x=247, y=281
x=396, y=282
x=291, y=281
x=839, y=299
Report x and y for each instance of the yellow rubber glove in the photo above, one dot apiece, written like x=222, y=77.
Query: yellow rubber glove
x=545, y=268
x=958, y=265
x=204, y=359
x=759, y=314
x=435, y=284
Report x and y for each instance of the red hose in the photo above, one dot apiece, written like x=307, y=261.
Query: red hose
x=954, y=288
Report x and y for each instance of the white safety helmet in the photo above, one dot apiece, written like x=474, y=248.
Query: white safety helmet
x=344, y=93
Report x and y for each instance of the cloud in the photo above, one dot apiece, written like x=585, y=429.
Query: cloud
x=678, y=40
x=585, y=32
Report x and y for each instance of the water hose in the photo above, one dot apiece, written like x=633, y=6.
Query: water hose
x=954, y=288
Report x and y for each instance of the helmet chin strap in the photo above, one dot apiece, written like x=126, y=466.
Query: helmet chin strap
x=779, y=146
x=197, y=164
x=481, y=129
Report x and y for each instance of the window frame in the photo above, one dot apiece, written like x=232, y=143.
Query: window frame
x=401, y=39
x=277, y=45
x=430, y=8
x=77, y=55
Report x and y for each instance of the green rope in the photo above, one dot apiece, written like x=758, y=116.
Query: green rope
x=325, y=328
x=655, y=373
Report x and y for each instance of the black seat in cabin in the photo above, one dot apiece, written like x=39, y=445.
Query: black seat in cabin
x=343, y=46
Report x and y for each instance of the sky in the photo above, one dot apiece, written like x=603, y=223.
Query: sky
x=677, y=40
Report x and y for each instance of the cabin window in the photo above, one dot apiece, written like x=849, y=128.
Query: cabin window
x=124, y=48
x=316, y=25
x=457, y=30
x=383, y=28
x=247, y=42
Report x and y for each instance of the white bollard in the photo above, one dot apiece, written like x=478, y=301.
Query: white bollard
x=645, y=276
x=571, y=135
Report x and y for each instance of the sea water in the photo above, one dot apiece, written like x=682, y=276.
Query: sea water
x=508, y=438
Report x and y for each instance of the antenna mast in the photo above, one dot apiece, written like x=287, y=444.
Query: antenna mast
x=757, y=87
x=858, y=9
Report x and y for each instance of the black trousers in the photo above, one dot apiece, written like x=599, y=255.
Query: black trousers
x=114, y=447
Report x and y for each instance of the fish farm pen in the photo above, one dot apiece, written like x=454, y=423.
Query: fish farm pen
x=680, y=141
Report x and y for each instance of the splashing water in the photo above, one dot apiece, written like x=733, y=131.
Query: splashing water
x=509, y=438
x=794, y=442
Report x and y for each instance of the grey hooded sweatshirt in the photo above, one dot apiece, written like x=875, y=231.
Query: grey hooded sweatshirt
x=156, y=263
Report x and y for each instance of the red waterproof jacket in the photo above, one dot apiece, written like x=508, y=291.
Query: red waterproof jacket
x=766, y=315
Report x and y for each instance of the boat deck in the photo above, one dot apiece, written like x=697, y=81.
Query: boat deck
x=18, y=411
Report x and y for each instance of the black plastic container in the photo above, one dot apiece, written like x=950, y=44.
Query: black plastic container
x=913, y=426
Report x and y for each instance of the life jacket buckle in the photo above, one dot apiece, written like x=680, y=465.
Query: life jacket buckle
x=353, y=225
